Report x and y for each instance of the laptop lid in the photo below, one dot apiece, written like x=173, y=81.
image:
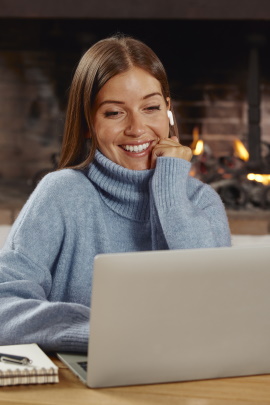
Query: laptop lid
x=167, y=316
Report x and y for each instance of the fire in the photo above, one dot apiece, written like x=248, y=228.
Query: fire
x=260, y=178
x=197, y=145
x=240, y=150
x=198, y=148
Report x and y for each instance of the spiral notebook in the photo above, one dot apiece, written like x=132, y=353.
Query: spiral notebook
x=40, y=370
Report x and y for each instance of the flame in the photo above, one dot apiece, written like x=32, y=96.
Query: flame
x=199, y=148
x=240, y=150
x=197, y=144
x=195, y=137
x=260, y=178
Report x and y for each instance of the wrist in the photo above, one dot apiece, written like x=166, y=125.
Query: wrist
x=169, y=181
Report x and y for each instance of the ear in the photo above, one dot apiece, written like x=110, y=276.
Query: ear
x=168, y=102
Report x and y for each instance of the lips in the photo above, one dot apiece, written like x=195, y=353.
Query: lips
x=136, y=148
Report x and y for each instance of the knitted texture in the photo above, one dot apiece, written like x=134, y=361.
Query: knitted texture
x=46, y=264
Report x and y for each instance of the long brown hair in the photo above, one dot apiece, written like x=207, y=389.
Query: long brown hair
x=100, y=63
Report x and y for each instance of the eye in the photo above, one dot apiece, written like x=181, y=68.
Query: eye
x=111, y=113
x=153, y=108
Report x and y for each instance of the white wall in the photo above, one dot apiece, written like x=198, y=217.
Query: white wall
x=4, y=230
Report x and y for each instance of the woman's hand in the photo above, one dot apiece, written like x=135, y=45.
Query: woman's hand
x=170, y=147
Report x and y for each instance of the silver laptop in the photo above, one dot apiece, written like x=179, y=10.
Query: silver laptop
x=177, y=315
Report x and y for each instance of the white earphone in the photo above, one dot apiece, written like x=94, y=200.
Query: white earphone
x=170, y=116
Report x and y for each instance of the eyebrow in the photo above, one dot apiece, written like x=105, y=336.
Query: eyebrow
x=122, y=102
x=152, y=94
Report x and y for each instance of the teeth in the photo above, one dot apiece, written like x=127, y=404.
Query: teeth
x=136, y=148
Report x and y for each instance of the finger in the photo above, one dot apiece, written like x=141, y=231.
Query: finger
x=157, y=151
x=153, y=160
x=174, y=138
x=171, y=149
x=173, y=141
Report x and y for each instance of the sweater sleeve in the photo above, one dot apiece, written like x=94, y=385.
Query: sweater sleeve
x=186, y=213
x=27, y=263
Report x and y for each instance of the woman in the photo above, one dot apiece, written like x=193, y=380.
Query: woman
x=124, y=187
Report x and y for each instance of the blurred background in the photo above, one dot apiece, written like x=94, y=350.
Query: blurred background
x=216, y=54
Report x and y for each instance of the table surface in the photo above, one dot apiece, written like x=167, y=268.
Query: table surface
x=70, y=390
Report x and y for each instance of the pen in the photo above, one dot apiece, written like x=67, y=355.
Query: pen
x=11, y=358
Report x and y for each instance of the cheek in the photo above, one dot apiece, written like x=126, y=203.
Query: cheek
x=107, y=129
x=162, y=128
x=103, y=132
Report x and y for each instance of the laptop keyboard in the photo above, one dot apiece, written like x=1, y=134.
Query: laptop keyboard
x=83, y=365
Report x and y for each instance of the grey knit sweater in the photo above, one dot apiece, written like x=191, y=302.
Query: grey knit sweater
x=46, y=263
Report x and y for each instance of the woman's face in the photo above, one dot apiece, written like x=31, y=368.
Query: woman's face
x=130, y=117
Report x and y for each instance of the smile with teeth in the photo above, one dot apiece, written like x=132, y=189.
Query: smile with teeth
x=136, y=148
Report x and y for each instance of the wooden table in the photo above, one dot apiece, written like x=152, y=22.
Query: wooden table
x=231, y=391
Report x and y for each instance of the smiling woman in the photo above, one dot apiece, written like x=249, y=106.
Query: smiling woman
x=112, y=72
x=130, y=118
x=123, y=185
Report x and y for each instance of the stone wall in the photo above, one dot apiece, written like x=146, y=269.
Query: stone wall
x=207, y=64
x=30, y=115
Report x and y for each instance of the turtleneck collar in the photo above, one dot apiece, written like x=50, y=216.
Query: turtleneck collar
x=125, y=191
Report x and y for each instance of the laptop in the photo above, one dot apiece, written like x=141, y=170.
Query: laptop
x=178, y=315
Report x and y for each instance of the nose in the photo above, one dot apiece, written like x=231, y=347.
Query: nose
x=135, y=125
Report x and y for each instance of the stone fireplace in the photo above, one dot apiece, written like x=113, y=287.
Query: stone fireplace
x=206, y=49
